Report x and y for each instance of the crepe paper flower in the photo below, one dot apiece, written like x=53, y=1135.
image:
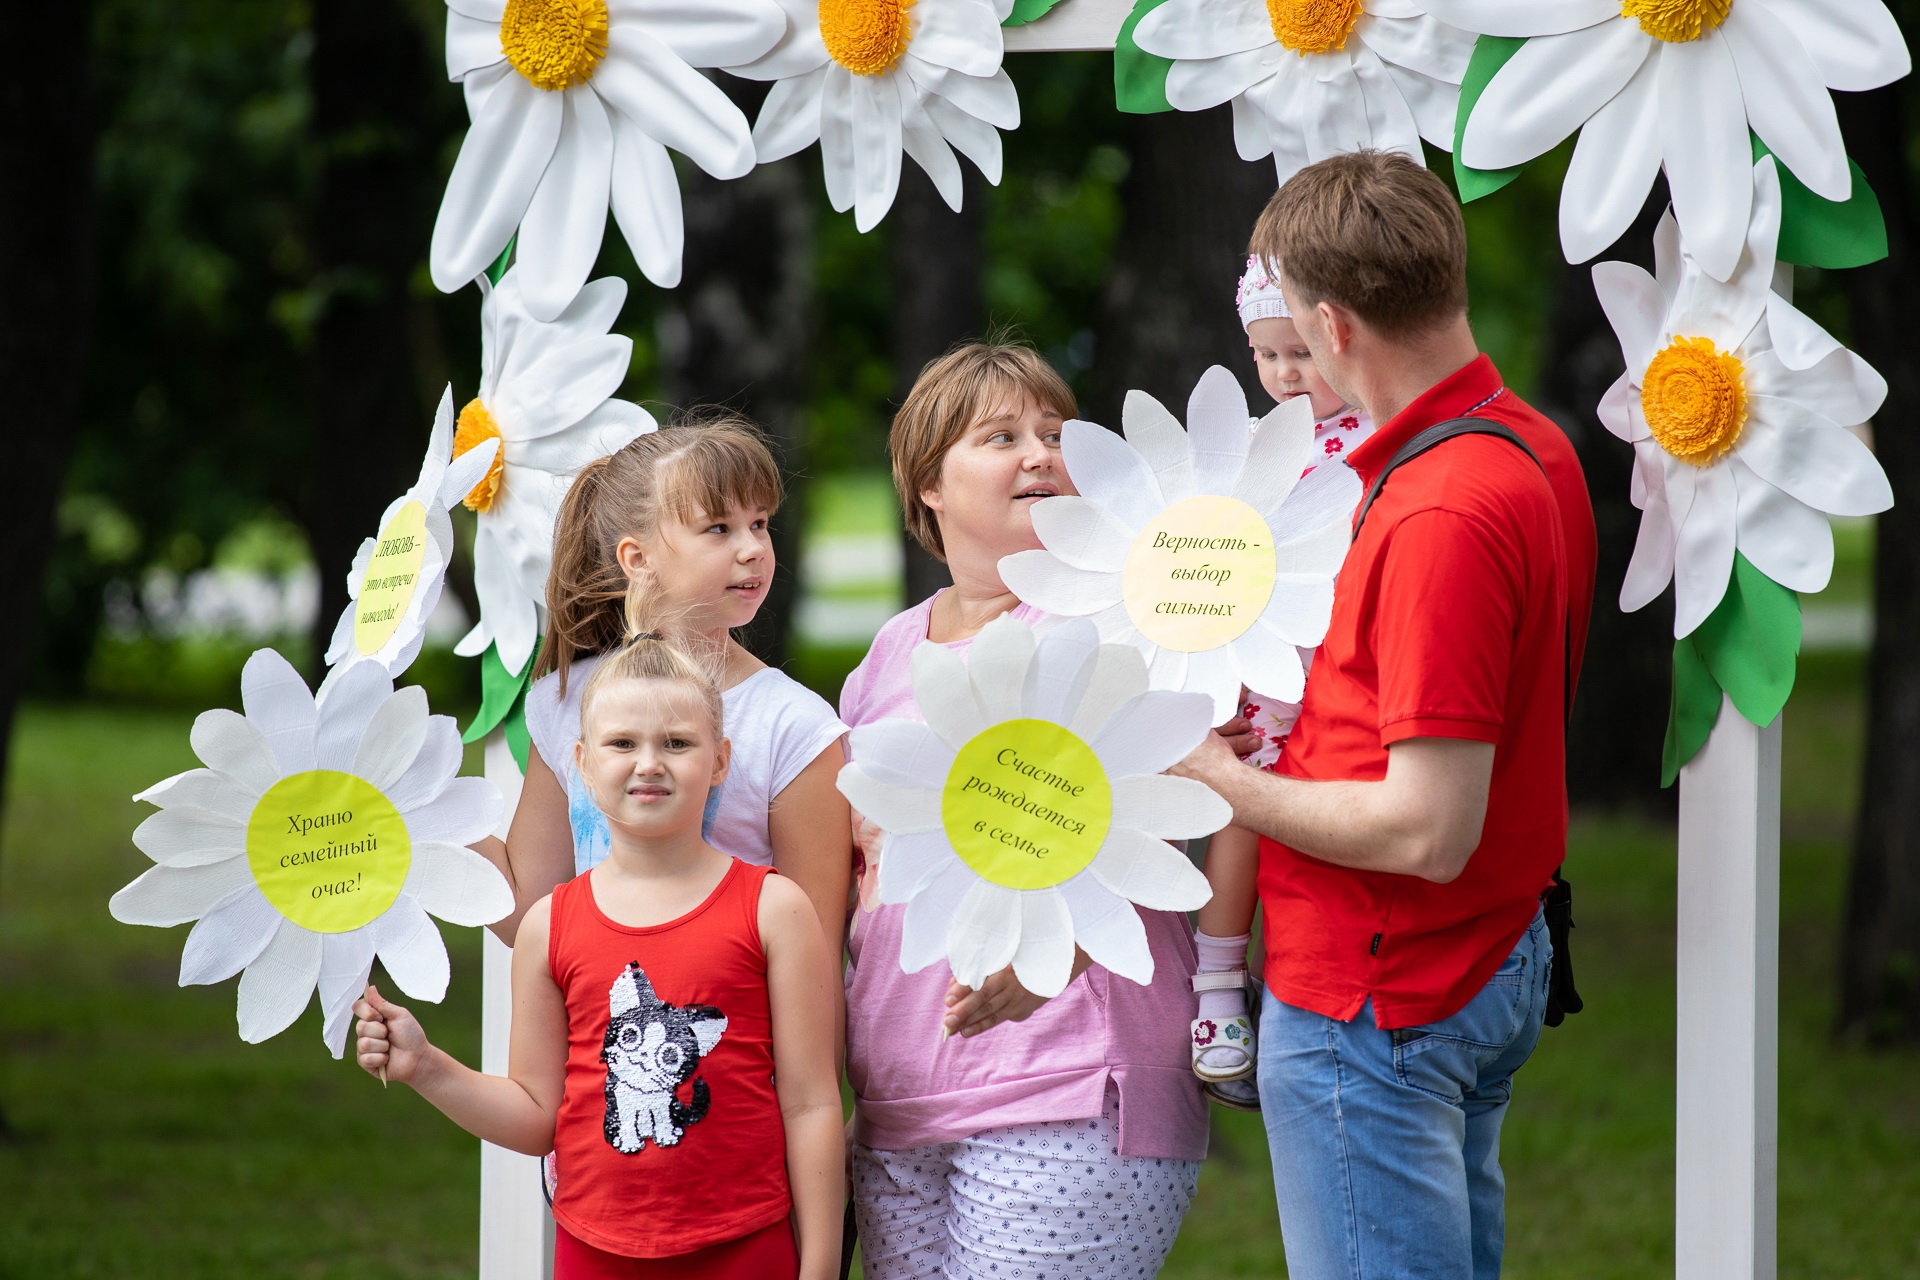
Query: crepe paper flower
x=545, y=393
x=1673, y=84
x=1310, y=79
x=869, y=79
x=1025, y=815
x=1205, y=549
x=574, y=105
x=1736, y=405
x=397, y=574
x=321, y=833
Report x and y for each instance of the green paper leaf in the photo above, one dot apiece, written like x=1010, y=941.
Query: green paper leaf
x=1490, y=53
x=1692, y=711
x=1025, y=11
x=515, y=729
x=505, y=260
x=501, y=696
x=1139, y=78
x=1815, y=232
x=1751, y=642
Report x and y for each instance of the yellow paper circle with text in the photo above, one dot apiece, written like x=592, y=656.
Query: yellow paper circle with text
x=393, y=575
x=1199, y=574
x=1027, y=804
x=329, y=851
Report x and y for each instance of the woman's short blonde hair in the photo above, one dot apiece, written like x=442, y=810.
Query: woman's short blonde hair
x=953, y=394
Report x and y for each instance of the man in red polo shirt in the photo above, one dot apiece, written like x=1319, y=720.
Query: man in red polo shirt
x=1419, y=808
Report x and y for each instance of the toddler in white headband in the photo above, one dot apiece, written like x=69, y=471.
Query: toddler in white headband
x=1223, y=1047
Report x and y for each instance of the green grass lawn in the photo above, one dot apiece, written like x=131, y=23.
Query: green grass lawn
x=147, y=1141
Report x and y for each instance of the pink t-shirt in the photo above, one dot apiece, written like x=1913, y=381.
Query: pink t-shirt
x=915, y=1089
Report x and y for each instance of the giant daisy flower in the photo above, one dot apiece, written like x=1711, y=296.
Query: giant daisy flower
x=544, y=394
x=574, y=104
x=871, y=78
x=320, y=834
x=1310, y=79
x=1735, y=404
x=1026, y=814
x=397, y=574
x=1674, y=84
x=1206, y=550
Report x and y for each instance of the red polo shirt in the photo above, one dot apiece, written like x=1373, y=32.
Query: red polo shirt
x=1448, y=619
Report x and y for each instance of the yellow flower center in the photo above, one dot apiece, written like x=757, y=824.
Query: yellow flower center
x=865, y=36
x=1694, y=398
x=1313, y=26
x=1675, y=21
x=556, y=44
x=475, y=427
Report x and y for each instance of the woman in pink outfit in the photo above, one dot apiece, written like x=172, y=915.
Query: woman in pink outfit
x=996, y=1133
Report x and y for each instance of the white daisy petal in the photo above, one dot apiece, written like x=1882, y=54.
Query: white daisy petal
x=1327, y=494
x=1119, y=673
x=1703, y=556
x=1703, y=135
x=836, y=136
x=1272, y=662
x=1787, y=540
x=996, y=665
x=1726, y=308
x=1634, y=307
x=561, y=389
x=435, y=765
x=1319, y=552
x=1822, y=465
x=921, y=139
x=1433, y=103
x=276, y=986
x=790, y=117
x=923, y=926
x=1197, y=29
x=1390, y=120
x=1793, y=113
x=1534, y=18
x=1167, y=669
x=901, y=753
x=1840, y=387
x=1082, y=533
x=1108, y=928
x=1299, y=608
x=989, y=98
x=910, y=860
x=457, y=884
x=1798, y=342
x=895, y=809
x=1056, y=586
x=707, y=33
x=1281, y=449
x=1151, y=733
x=1058, y=675
x=411, y=949
x=393, y=738
x=561, y=231
x=1168, y=807
x=1149, y=872
x=979, y=944
x=277, y=700
x=945, y=697
x=1549, y=88
x=468, y=809
x=1617, y=411
x=972, y=137
x=961, y=34
x=672, y=103
x=1431, y=48
x=514, y=133
x=876, y=149
x=203, y=789
x=184, y=836
x=229, y=743
x=1201, y=84
x=480, y=10
x=1217, y=436
x=346, y=962
x=1856, y=44
x=1106, y=469
x=345, y=713
x=166, y=896
x=1162, y=441
x=1044, y=961
x=1612, y=170
x=1250, y=138
x=1216, y=673
x=1651, y=568
x=228, y=938
x=471, y=44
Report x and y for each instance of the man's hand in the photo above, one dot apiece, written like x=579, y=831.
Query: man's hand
x=999, y=999
x=1215, y=753
x=1238, y=734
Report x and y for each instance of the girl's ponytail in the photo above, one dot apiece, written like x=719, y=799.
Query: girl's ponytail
x=696, y=467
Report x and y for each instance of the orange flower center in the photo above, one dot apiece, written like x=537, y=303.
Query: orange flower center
x=555, y=44
x=1676, y=21
x=865, y=36
x=1694, y=397
x=475, y=427
x=1313, y=26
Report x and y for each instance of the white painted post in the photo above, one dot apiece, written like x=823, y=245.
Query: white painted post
x=516, y=1228
x=1726, y=1132
x=1075, y=24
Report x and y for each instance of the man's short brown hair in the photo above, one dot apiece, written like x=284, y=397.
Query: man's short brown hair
x=1371, y=231
x=951, y=396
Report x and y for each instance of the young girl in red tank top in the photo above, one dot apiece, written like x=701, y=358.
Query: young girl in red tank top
x=673, y=1020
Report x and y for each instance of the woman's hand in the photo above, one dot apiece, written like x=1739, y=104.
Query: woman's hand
x=389, y=1037
x=999, y=999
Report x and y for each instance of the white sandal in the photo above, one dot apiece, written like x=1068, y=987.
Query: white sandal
x=1222, y=1048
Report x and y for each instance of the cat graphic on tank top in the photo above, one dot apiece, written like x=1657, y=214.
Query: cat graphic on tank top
x=651, y=1049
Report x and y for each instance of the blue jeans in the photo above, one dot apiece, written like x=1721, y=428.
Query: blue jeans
x=1386, y=1144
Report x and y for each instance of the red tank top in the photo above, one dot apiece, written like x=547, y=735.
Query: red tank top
x=669, y=1137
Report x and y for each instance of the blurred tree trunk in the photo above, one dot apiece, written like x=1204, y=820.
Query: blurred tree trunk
x=1189, y=207
x=738, y=333
x=46, y=291
x=370, y=77
x=938, y=300
x=1880, y=943
x=1620, y=714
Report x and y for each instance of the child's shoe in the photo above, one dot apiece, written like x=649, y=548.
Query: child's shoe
x=1241, y=1095
x=1223, y=1044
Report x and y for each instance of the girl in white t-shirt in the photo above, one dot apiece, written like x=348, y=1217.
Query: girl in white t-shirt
x=678, y=518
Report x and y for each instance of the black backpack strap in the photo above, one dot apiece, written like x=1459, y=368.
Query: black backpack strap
x=1562, y=998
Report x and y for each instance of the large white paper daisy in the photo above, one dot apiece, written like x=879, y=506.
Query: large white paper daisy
x=397, y=574
x=320, y=834
x=1026, y=814
x=574, y=104
x=869, y=79
x=545, y=391
x=1310, y=79
x=1674, y=84
x=1204, y=549
x=1736, y=406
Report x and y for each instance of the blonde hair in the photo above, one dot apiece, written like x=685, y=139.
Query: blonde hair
x=952, y=395
x=700, y=465
x=649, y=655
